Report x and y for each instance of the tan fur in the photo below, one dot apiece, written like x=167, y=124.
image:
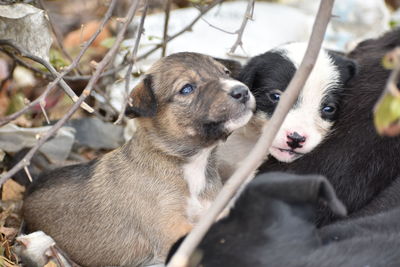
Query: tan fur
x=239, y=144
x=128, y=207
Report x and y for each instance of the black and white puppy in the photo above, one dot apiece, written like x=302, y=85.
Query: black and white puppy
x=310, y=119
x=358, y=162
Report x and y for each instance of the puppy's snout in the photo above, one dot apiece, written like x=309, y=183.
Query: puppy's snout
x=295, y=140
x=240, y=93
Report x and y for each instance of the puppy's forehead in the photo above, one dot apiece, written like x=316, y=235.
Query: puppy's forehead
x=190, y=63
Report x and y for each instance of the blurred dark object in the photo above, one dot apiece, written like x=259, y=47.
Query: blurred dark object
x=394, y=4
x=272, y=218
x=38, y=164
x=96, y=134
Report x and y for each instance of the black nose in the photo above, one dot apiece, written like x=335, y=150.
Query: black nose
x=240, y=93
x=295, y=139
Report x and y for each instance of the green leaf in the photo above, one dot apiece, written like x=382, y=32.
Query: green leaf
x=388, y=62
x=387, y=112
x=2, y=251
x=108, y=42
x=393, y=24
x=57, y=59
x=16, y=103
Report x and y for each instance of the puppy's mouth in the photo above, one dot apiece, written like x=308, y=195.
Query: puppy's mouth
x=238, y=122
x=290, y=151
x=285, y=155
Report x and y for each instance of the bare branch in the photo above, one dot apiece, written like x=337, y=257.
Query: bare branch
x=248, y=15
x=56, y=32
x=217, y=28
x=42, y=107
x=132, y=60
x=48, y=75
x=74, y=63
x=48, y=66
x=86, y=92
x=166, y=22
x=28, y=173
x=255, y=158
x=187, y=28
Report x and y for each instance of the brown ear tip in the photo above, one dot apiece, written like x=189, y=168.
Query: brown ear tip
x=142, y=102
x=130, y=113
x=147, y=111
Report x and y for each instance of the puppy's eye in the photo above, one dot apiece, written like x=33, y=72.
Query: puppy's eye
x=187, y=89
x=328, y=109
x=227, y=71
x=274, y=97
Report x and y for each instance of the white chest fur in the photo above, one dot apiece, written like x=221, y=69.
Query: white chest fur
x=195, y=175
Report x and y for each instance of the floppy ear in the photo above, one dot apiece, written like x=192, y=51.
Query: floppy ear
x=142, y=101
x=347, y=67
x=233, y=66
x=250, y=72
x=299, y=188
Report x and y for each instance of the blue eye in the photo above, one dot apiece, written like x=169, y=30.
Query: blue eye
x=274, y=97
x=329, y=109
x=187, y=89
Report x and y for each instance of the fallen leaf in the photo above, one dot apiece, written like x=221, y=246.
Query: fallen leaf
x=7, y=263
x=16, y=103
x=387, y=114
x=78, y=37
x=108, y=43
x=12, y=191
x=57, y=59
x=51, y=264
x=4, y=102
x=8, y=231
x=23, y=77
x=28, y=27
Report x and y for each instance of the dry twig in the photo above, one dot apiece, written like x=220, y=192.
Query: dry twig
x=86, y=92
x=248, y=15
x=49, y=76
x=132, y=61
x=56, y=32
x=203, y=11
x=48, y=66
x=166, y=22
x=257, y=155
x=53, y=84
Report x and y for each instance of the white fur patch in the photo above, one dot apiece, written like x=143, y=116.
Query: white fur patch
x=35, y=246
x=234, y=124
x=195, y=175
x=228, y=84
x=305, y=119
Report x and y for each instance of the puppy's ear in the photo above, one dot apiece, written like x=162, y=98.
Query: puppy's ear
x=249, y=72
x=142, y=101
x=232, y=65
x=347, y=67
x=299, y=188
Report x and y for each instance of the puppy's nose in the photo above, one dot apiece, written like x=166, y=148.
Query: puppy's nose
x=295, y=139
x=240, y=93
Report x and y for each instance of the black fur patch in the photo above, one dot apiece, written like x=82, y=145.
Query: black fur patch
x=266, y=73
x=272, y=218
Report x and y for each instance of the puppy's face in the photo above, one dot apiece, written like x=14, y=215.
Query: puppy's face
x=312, y=116
x=188, y=101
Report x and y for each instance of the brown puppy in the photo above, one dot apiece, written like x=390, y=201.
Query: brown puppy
x=129, y=207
